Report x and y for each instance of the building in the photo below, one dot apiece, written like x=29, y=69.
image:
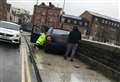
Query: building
x=18, y=15
x=68, y=21
x=4, y=9
x=47, y=15
x=102, y=28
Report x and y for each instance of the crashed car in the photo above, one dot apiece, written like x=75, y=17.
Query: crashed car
x=56, y=41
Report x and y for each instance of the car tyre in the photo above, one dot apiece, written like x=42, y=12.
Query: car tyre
x=46, y=49
x=19, y=43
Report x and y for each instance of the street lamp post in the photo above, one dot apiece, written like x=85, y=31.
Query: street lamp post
x=62, y=19
x=37, y=2
x=63, y=7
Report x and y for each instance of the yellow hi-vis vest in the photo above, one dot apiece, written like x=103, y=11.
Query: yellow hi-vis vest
x=41, y=39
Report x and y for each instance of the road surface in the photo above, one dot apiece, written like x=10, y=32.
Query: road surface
x=14, y=63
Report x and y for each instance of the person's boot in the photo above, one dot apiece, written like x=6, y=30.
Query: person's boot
x=71, y=60
x=65, y=57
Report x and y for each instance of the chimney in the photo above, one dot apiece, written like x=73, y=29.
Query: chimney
x=43, y=4
x=51, y=5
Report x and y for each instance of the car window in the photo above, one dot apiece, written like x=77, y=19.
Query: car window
x=50, y=31
x=9, y=26
x=60, y=32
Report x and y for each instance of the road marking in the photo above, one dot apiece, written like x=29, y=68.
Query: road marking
x=27, y=68
x=22, y=66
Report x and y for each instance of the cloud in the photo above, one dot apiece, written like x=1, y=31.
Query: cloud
x=76, y=7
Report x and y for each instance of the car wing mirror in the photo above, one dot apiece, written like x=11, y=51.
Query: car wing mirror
x=21, y=30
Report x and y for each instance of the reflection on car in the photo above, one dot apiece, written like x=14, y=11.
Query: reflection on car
x=10, y=32
x=56, y=40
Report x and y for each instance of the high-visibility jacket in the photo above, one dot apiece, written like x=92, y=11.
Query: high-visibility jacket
x=41, y=39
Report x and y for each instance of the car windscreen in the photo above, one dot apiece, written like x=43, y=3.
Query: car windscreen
x=9, y=26
x=60, y=32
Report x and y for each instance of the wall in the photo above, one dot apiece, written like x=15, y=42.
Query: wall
x=46, y=15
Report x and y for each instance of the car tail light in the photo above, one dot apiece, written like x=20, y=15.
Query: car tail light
x=49, y=38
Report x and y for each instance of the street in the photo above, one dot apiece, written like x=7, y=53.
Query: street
x=10, y=63
x=15, y=64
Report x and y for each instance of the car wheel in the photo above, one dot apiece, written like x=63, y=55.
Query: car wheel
x=18, y=44
x=46, y=49
x=19, y=41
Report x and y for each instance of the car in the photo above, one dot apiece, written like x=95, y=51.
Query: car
x=56, y=41
x=10, y=32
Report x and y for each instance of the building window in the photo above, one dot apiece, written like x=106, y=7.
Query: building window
x=109, y=22
x=86, y=23
x=102, y=27
x=75, y=22
x=50, y=19
x=55, y=14
x=112, y=24
x=115, y=24
x=50, y=13
x=80, y=23
x=103, y=21
x=68, y=20
x=96, y=19
x=63, y=19
x=118, y=25
x=106, y=22
x=43, y=13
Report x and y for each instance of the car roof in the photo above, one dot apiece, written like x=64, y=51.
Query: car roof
x=10, y=23
x=57, y=31
x=60, y=31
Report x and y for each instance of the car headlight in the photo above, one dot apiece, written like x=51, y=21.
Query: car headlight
x=17, y=35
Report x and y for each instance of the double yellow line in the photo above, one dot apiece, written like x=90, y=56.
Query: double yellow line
x=25, y=69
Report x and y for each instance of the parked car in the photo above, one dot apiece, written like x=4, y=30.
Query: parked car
x=10, y=32
x=56, y=41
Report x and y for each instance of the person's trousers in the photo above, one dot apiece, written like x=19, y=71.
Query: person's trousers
x=73, y=48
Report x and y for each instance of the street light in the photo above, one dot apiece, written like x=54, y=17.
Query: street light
x=62, y=19
x=37, y=2
x=63, y=7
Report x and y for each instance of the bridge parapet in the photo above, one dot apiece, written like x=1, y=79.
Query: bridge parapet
x=104, y=57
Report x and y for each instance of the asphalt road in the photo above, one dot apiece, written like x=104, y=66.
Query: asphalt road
x=15, y=65
x=9, y=63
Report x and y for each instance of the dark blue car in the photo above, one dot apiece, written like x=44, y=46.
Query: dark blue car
x=56, y=41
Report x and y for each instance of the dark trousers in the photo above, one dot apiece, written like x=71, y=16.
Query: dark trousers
x=71, y=47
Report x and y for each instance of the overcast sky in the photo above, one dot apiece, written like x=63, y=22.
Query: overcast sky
x=76, y=7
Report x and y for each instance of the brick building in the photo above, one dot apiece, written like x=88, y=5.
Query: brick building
x=102, y=28
x=46, y=15
x=68, y=21
x=4, y=8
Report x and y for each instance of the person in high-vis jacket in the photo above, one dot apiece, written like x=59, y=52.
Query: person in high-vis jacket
x=41, y=39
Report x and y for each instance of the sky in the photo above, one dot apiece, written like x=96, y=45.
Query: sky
x=76, y=7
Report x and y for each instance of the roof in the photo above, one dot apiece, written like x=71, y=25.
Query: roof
x=73, y=17
x=103, y=16
x=10, y=23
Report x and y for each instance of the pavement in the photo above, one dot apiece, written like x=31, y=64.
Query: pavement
x=54, y=68
x=15, y=65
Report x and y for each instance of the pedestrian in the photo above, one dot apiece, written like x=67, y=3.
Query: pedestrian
x=41, y=39
x=73, y=40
